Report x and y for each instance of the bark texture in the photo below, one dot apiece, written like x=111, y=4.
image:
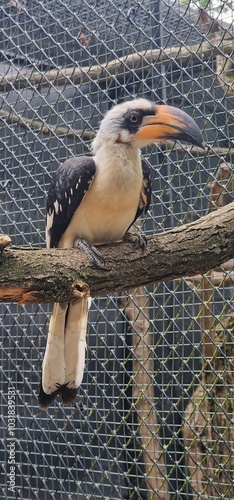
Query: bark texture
x=28, y=276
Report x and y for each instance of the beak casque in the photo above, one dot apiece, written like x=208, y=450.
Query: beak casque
x=169, y=123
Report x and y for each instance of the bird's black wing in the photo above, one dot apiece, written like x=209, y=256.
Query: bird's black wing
x=146, y=190
x=68, y=187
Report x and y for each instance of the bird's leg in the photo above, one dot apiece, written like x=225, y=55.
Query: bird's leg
x=91, y=252
x=138, y=240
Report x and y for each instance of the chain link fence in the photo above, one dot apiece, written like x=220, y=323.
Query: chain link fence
x=155, y=412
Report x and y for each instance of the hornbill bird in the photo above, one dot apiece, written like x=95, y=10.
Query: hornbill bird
x=94, y=200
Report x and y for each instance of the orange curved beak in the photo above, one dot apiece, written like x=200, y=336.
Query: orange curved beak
x=172, y=123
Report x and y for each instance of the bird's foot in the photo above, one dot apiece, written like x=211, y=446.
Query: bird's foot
x=91, y=252
x=138, y=240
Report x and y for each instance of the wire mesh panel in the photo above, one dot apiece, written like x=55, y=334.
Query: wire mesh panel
x=154, y=415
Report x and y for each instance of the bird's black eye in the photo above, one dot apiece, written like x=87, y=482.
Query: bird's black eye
x=134, y=118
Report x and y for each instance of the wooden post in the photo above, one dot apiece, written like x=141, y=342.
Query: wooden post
x=137, y=313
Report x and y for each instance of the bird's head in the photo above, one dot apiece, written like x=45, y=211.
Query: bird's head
x=140, y=122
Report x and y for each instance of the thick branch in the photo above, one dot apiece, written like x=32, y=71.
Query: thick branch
x=60, y=275
x=178, y=55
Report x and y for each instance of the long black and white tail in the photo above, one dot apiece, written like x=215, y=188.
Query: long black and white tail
x=64, y=359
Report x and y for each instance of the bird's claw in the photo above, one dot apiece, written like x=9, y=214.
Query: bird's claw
x=138, y=240
x=91, y=252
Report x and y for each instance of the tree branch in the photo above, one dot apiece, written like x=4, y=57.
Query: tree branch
x=40, y=127
x=60, y=275
x=178, y=56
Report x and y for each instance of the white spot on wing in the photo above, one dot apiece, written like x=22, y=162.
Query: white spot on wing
x=49, y=224
x=56, y=206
